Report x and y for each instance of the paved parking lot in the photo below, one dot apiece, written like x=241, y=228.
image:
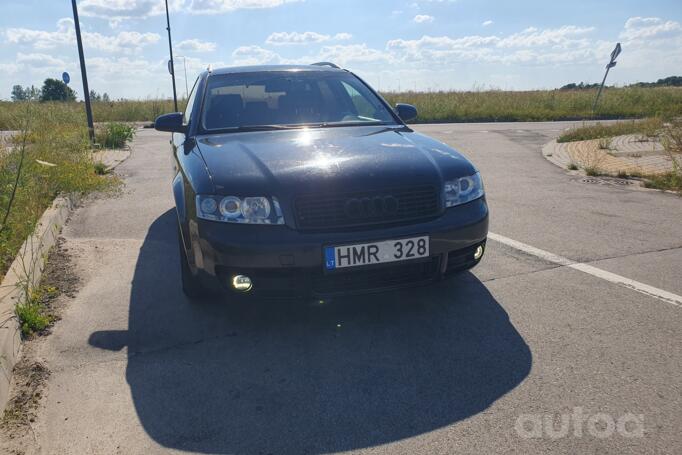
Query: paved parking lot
x=572, y=322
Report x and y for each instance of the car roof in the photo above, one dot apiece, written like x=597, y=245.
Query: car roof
x=267, y=68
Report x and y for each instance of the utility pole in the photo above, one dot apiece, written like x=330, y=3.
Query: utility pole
x=184, y=63
x=86, y=90
x=170, y=65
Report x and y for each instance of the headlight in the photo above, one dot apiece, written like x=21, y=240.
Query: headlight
x=233, y=209
x=463, y=190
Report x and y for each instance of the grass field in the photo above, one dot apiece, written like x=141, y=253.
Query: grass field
x=50, y=155
x=646, y=128
x=542, y=105
x=472, y=106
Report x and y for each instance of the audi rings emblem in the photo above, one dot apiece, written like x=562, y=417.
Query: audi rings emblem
x=371, y=207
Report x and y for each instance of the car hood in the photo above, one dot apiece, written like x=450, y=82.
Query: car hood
x=296, y=161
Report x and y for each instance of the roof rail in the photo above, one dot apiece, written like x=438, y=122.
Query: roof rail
x=326, y=64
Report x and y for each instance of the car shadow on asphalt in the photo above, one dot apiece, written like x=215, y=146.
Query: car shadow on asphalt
x=290, y=377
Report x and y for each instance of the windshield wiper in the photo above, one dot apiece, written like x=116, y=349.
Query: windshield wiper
x=342, y=124
x=242, y=129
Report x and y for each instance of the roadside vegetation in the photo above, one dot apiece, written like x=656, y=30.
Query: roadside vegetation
x=114, y=135
x=669, y=133
x=672, y=141
x=435, y=107
x=647, y=128
x=33, y=314
x=49, y=155
x=542, y=105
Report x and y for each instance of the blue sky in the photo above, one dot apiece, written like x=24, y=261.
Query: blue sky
x=413, y=44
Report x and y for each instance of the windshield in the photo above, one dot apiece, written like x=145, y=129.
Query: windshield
x=248, y=100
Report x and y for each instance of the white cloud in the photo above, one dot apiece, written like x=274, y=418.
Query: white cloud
x=194, y=66
x=423, y=18
x=567, y=44
x=195, y=45
x=254, y=55
x=287, y=38
x=115, y=10
x=65, y=35
x=9, y=68
x=226, y=6
x=126, y=9
x=562, y=36
x=637, y=28
x=343, y=54
x=552, y=46
x=39, y=61
x=487, y=23
x=41, y=39
x=121, y=42
x=129, y=67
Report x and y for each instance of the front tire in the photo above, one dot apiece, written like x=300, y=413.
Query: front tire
x=191, y=284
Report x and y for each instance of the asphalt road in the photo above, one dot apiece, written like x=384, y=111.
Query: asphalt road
x=517, y=348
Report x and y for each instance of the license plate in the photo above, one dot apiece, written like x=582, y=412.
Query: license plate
x=338, y=257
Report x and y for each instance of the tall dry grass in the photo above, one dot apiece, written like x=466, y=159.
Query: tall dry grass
x=453, y=106
x=50, y=155
x=542, y=105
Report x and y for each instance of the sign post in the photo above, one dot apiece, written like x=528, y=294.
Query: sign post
x=86, y=90
x=614, y=54
x=170, y=62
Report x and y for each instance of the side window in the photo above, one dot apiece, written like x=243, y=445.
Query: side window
x=190, y=104
x=362, y=107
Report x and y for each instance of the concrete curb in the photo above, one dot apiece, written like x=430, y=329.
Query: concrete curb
x=627, y=154
x=556, y=155
x=30, y=262
x=111, y=158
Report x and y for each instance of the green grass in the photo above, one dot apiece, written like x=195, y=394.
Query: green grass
x=650, y=127
x=33, y=315
x=672, y=141
x=604, y=143
x=32, y=318
x=114, y=135
x=57, y=159
x=670, y=181
x=115, y=111
x=592, y=171
x=542, y=105
x=452, y=106
x=100, y=169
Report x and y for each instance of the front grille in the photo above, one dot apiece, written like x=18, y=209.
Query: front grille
x=324, y=211
x=383, y=277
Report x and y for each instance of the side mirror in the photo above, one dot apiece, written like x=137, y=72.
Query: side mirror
x=170, y=122
x=406, y=112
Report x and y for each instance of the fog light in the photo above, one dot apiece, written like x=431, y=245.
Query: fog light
x=478, y=253
x=241, y=283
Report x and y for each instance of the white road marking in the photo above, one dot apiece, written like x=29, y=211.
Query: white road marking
x=651, y=291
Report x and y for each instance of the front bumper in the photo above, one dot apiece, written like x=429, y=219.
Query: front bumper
x=283, y=262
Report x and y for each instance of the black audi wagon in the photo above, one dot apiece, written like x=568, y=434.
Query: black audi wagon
x=303, y=181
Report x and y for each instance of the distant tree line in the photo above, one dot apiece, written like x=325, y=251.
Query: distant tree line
x=671, y=81
x=104, y=97
x=52, y=90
